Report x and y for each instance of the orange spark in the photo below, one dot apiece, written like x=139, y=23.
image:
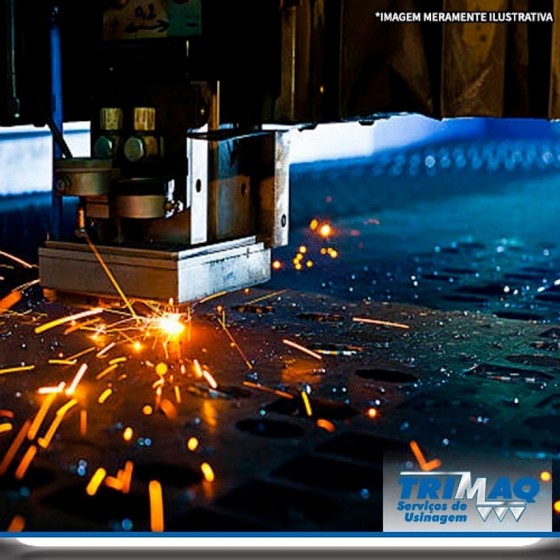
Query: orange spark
x=104, y=396
x=5, y=427
x=4, y=412
x=235, y=345
x=197, y=368
x=10, y=300
x=267, y=389
x=77, y=378
x=161, y=369
x=170, y=324
x=17, y=524
x=302, y=349
x=96, y=481
x=372, y=412
x=276, y=265
x=381, y=323
x=63, y=320
x=192, y=444
x=82, y=353
x=83, y=422
x=126, y=476
x=210, y=379
x=117, y=360
x=207, y=472
x=106, y=371
x=147, y=410
x=40, y=416
x=104, y=351
x=213, y=296
x=158, y=383
x=557, y=506
x=114, y=483
x=546, y=476
x=112, y=279
x=128, y=433
x=177, y=391
x=14, y=447
x=313, y=224
x=156, y=506
x=325, y=230
x=306, y=403
x=326, y=425
x=63, y=362
x=268, y=296
x=424, y=465
x=25, y=462
x=168, y=408
x=45, y=441
x=16, y=369
x=23, y=263
x=49, y=390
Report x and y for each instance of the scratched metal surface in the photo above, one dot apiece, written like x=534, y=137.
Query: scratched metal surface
x=464, y=256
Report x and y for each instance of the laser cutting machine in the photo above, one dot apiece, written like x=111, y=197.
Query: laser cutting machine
x=187, y=188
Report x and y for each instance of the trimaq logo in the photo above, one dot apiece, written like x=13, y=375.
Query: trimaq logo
x=425, y=496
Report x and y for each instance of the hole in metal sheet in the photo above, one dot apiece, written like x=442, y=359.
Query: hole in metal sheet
x=553, y=401
x=465, y=299
x=386, y=375
x=491, y=290
x=331, y=475
x=286, y=508
x=550, y=346
x=546, y=423
x=534, y=360
x=167, y=474
x=554, y=332
x=518, y=315
x=274, y=429
x=510, y=374
x=551, y=297
x=321, y=408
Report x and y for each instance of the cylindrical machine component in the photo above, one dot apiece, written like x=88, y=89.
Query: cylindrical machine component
x=140, y=198
x=142, y=145
x=83, y=176
x=111, y=123
x=138, y=148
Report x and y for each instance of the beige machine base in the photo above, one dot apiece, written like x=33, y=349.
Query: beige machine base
x=184, y=276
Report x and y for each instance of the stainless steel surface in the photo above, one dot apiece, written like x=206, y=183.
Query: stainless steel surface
x=197, y=189
x=155, y=275
x=274, y=193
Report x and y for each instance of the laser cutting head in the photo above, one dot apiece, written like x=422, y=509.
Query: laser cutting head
x=179, y=200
